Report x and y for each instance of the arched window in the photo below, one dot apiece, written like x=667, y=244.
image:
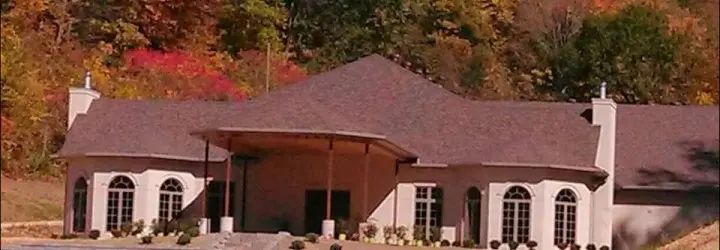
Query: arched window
x=516, y=215
x=565, y=217
x=120, y=200
x=79, y=205
x=171, y=199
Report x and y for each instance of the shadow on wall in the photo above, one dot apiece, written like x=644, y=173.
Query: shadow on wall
x=653, y=217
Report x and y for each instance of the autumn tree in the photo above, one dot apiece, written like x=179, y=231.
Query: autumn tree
x=631, y=50
x=172, y=25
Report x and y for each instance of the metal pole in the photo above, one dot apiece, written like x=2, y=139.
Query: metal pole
x=267, y=69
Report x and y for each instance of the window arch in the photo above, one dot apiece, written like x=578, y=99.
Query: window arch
x=120, y=201
x=516, y=215
x=565, y=216
x=171, y=199
x=79, y=205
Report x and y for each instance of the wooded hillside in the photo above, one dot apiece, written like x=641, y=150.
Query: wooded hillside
x=649, y=51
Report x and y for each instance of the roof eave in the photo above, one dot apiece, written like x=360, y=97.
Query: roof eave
x=136, y=155
x=381, y=140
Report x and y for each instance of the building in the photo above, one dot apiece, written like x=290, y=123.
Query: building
x=393, y=148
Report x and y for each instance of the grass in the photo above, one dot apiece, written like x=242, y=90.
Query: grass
x=31, y=231
x=24, y=200
x=705, y=238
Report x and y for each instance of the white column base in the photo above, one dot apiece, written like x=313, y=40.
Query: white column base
x=204, y=226
x=226, y=224
x=328, y=229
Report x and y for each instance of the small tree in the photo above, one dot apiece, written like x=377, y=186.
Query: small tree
x=495, y=244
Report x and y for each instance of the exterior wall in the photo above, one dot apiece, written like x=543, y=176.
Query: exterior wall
x=650, y=217
x=492, y=182
x=147, y=175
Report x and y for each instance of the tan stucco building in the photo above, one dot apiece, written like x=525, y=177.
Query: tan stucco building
x=394, y=149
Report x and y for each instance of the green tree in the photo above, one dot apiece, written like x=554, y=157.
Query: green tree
x=631, y=50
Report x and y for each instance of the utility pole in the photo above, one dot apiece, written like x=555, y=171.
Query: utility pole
x=267, y=69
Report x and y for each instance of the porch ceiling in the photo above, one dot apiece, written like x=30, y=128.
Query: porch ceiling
x=249, y=140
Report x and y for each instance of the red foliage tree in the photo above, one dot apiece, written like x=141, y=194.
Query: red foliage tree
x=185, y=76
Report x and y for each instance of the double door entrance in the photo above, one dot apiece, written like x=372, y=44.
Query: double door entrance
x=315, y=202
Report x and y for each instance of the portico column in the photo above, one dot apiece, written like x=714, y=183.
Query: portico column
x=226, y=222
x=366, y=163
x=328, y=225
x=204, y=222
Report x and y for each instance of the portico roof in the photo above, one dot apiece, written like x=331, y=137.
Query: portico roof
x=300, y=140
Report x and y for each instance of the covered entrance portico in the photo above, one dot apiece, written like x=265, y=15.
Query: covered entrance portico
x=253, y=143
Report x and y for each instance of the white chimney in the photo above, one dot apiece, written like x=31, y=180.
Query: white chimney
x=604, y=115
x=80, y=99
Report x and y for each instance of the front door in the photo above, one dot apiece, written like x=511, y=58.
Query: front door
x=216, y=203
x=315, y=208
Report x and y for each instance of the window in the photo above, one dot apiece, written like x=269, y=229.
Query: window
x=171, y=199
x=516, y=215
x=79, y=205
x=428, y=207
x=565, y=217
x=120, y=200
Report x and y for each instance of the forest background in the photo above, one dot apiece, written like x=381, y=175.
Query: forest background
x=649, y=52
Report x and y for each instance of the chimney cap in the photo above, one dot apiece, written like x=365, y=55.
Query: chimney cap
x=87, y=79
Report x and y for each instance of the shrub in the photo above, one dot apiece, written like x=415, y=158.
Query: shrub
x=343, y=227
x=157, y=227
x=468, y=243
x=311, y=237
x=94, y=234
x=590, y=247
x=146, y=239
x=435, y=234
x=513, y=245
x=297, y=245
x=562, y=246
x=184, y=239
x=401, y=232
x=445, y=243
x=575, y=247
x=388, y=232
x=371, y=230
x=456, y=243
x=495, y=244
x=138, y=227
x=116, y=233
x=604, y=248
x=126, y=228
x=171, y=227
x=418, y=232
x=531, y=244
x=335, y=246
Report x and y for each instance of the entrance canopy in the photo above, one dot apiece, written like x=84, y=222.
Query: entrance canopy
x=238, y=139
